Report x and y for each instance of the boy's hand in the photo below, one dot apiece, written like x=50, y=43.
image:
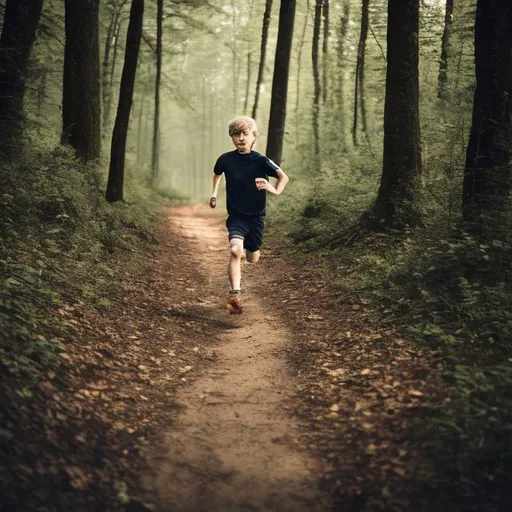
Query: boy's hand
x=263, y=184
x=213, y=202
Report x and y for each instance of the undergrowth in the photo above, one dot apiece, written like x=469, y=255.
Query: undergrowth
x=445, y=290
x=61, y=244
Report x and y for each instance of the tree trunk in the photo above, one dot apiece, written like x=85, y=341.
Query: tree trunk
x=277, y=117
x=325, y=50
x=109, y=64
x=316, y=74
x=299, y=56
x=249, y=65
x=344, y=26
x=263, y=54
x=158, y=81
x=486, y=185
x=114, y=190
x=21, y=19
x=359, y=100
x=396, y=203
x=445, y=50
x=81, y=111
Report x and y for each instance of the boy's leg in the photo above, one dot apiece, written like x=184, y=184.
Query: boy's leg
x=236, y=246
x=253, y=256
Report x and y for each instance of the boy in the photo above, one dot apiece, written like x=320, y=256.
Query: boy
x=247, y=173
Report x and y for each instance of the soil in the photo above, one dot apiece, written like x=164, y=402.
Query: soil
x=167, y=402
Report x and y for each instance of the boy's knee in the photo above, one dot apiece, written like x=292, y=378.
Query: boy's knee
x=237, y=248
x=253, y=257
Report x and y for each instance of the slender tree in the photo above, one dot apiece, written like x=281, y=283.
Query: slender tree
x=249, y=63
x=445, y=50
x=316, y=74
x=108, y=65
x=396, y=203
x=487, y=177
x=158, y=81
x=115, y=182
x=343, y=34
x=81, y=111
x=21, y=18
x=325, y=50
x=263, y=54
x=359, y=93
x=277, y=117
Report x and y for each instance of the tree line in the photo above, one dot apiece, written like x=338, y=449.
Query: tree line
x=87, y=92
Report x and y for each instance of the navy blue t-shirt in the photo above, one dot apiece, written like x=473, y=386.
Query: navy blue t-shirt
x=241, y=169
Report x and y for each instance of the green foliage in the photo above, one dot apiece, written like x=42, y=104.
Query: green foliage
x=59, y=244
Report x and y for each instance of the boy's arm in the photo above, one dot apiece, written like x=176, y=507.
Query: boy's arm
x=282, y=181
x=216, y=183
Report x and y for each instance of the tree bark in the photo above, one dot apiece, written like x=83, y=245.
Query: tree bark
x=21, y=19
x=115, y=182
x=277, y=119
x=263, y=54
x=158, y=81
x=81, y=111
x=487, y=176
x=359, y=100
x=316, y=74
x=396, y=203
x=445, y=50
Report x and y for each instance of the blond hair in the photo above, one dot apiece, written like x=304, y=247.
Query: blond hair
x=241, y=123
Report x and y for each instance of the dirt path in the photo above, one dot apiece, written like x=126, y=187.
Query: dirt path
x=234, y=445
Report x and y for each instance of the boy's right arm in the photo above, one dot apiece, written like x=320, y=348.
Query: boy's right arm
x=216, y=183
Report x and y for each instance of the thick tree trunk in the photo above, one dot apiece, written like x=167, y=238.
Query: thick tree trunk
x=487, y=177
x=396, y=204
x=81, y=111
x=158, y=81
x=316, y=74
x=359, y=99
x=263, y=54
x=277, y=117
x=325, y=50
x=445, y=50
x=115, y=182
x=21, y=19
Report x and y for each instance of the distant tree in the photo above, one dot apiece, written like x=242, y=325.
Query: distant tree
x=81, y=110
x=21, y=18
x=340, y=89
x=158, y=82
x=445, y=49
x=316, y=74
x=396, y=203
x=263, y=54
x=276, y=123
x=325, y=50
x=115, y=182
x=359, y=93
x=487, y=177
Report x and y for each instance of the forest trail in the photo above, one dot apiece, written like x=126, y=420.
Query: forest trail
x=234, y=445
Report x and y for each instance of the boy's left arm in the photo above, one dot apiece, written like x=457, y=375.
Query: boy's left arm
x=282, y=181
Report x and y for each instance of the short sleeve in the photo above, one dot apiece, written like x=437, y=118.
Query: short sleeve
x=218, y=168
x=270, y=167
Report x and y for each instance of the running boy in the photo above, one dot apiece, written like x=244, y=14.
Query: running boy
x=247, y=173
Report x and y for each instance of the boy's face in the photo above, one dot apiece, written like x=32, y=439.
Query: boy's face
x=244, y=140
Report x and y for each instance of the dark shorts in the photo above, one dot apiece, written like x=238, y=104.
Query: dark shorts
x=249, y=228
